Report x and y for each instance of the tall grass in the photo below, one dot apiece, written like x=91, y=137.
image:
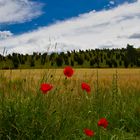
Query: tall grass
x=63, y=113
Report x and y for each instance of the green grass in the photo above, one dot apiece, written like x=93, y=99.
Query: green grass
x=63, y=113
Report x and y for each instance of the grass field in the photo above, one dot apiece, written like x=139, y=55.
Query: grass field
x=63, y=113
x=126, y=77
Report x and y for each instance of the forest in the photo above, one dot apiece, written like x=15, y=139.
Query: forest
x=128, y=57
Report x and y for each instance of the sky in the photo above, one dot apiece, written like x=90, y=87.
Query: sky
x=28, y=26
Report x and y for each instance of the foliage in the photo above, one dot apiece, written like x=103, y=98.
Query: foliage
x=98, y=58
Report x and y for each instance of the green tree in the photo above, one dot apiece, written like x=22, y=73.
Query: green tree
x=72, y=63
x=59, y=61
x=32, y=62
x=92, y=62
x=126, y=62
x=15, y=60
x=131, y=54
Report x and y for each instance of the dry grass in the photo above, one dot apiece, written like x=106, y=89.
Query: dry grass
x=125, y=77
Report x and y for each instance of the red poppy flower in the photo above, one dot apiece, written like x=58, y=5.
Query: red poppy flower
x=68, y=71
x=45, y=87
x=103, y=122
x=88, y=132
x=86, y=87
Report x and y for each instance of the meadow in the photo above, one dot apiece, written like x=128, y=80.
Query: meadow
x=66, y=110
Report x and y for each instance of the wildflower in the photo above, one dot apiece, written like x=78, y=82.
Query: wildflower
x=89, y=132
x=86, y=87
x=103, y=122
x=45, y=87
x=68, y=71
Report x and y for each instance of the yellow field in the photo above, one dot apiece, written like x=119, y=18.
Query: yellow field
x=126, y=77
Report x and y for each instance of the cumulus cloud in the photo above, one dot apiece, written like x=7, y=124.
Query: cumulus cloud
x=5, y=34
x=13, y=11
x=105, y=29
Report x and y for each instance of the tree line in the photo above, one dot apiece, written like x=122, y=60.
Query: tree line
x=98, y=58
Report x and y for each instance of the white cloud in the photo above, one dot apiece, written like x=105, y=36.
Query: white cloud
x=104, y=29
x=13, y=11
x=112, y=2
x=5, y=34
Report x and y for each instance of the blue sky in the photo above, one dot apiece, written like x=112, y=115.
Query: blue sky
x=59, y=10
x=28, y=26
